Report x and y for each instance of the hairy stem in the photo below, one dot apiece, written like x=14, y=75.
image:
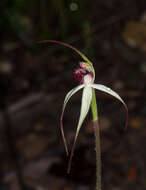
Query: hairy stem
x=97, y=140
x=94, y=106
x=98, y=154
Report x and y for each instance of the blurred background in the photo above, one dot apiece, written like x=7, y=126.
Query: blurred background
x=34, y=79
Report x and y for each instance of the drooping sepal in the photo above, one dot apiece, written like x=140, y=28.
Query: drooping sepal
x=67, y=97
x=114, y=94
x=85, y=106
x=87, y=63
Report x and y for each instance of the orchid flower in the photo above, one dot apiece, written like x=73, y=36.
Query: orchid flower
x=85, y=75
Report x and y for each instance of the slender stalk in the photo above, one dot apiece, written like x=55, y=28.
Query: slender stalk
x=97, y=140
x=94, y=106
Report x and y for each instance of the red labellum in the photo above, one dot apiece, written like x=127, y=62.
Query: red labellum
x=79, y=75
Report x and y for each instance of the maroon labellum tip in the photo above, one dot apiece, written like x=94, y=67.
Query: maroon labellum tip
x=79, y=75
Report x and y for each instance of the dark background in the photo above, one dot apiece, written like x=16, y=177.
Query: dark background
x=35, y=78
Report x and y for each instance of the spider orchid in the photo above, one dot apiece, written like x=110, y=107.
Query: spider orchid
x=85, y=75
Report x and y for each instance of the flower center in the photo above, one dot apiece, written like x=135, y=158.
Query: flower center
x=88, y=79
x=81, y=72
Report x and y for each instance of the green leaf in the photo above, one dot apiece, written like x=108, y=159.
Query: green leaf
x=85, y=105
x=114, y=94
x=87, y=62
x=67, y=97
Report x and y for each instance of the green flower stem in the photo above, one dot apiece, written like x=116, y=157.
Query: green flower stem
x=94, y=106
x=97, y=140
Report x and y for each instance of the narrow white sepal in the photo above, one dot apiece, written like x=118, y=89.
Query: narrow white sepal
x=108, y=91
x=85, y=105
x=70, y=94
x=67, y=97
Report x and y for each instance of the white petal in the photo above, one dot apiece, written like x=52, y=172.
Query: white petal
x=108, y=91
x=70, y=94
x=114, y=94
x=85, y=105
x=67, y=97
